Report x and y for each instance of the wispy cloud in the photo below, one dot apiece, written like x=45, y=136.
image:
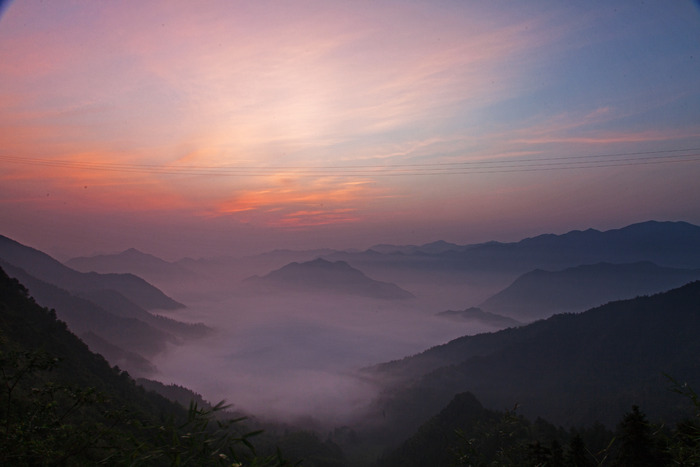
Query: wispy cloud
x=598, y=127
x=294, y=203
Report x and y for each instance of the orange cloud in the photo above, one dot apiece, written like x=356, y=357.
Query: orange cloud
x=302, y=202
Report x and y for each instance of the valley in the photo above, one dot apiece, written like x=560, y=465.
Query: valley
x=324, y=233
x=302, y=344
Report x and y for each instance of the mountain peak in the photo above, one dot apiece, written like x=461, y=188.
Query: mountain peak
x=321, y=275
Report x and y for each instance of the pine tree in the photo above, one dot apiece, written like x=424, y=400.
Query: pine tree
x=638, y=446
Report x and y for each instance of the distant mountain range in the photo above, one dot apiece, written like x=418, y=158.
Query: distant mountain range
x=547, y=274
x=571, y=369
x=670, y=244
x=133, y=261
x=192, y=279
x=665, y=243
x=540, y=294
x=438, y=266
x=320, y=275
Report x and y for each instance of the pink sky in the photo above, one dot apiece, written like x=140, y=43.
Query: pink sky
x=187, y=128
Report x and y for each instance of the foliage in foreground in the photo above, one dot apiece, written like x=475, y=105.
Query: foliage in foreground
x=465, y=434
x=44, y=423
x=635, y=443
x=61, y=404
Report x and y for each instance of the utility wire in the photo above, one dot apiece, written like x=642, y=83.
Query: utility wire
x=484, y=166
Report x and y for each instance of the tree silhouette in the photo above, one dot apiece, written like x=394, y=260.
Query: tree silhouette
x=638, y=447
x=577, y=456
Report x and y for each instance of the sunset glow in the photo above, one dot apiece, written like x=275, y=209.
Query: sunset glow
x=343, y=123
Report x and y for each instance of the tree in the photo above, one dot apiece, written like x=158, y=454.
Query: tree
x=638, y=444
x=684, y=445
x=577, y=456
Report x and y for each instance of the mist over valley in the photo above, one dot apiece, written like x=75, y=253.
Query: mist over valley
x=327, y=339
x=350, y=234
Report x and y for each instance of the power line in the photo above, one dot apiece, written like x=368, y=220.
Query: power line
x=483, y=166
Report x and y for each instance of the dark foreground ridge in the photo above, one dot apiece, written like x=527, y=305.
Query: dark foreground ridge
x=64, y=405
x=571, y=369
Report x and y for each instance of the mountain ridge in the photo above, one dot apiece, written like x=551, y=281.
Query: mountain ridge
x=541, y=293
x=598, y=362
x=46, y=268
x=107, y=310
x=642, y=229
x=155, y=270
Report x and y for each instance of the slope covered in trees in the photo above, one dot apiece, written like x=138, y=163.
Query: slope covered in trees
x=570, y=369
x=124, y=333
x=466, y=434
x=64, y=405
x=108, y=311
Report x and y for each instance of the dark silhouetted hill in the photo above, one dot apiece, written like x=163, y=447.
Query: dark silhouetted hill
x=320, y=275
x=26, y=327
x=124, y=340
x=572, y=369
x=540, y=294
x=430, y=445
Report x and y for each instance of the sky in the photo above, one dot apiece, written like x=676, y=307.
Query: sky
x=225, y=127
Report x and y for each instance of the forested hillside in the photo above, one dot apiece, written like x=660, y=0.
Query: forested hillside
x=466, y=434
x=571, y=369
x=64, y=405
x=110, y=312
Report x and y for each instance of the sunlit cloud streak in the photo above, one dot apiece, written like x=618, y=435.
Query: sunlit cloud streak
x=295, y=203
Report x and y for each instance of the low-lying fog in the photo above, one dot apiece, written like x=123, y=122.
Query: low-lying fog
x=291, y=357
